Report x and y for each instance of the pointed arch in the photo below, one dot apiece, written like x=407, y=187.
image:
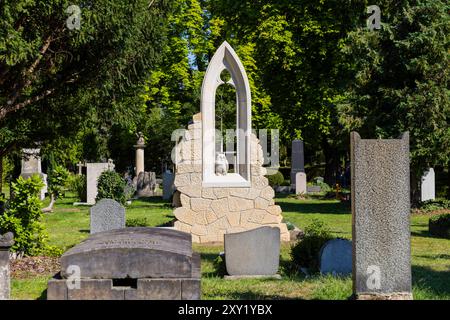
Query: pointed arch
x=226, y=58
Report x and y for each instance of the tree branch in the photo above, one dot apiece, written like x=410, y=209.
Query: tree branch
x=5, y=110
x=29, y=72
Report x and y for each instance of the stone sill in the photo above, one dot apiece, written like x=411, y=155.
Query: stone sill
x=231, y=180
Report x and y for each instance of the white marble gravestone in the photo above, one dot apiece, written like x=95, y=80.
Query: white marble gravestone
x=428, y=187
x=300, y=183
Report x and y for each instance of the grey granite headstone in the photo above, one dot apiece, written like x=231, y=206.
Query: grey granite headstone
x=6, y=241
x=106, y=215
x=428, y=186
x=381, y=218
x=130, y=264
x=336, y=257
x=31, y=165
x=297, y=159
x=253, y=253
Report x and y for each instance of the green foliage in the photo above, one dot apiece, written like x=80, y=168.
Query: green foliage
x=56, y=83
x=137, y=222
x=433, y=205
x=77, y=184
x=23, y=217
x=439, y=225
x=111, y=185
x=324, y=187
x=305, y=253
x=276, y=179
x=400, y=81
x=57, y=179
x=129, y=191
x=442, y=219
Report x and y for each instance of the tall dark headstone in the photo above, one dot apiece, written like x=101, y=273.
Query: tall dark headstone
x=297, y=159
x=381, y=218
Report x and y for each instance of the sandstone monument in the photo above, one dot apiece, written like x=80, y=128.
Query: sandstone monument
x=212, y=203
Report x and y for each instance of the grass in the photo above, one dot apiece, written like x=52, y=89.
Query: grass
x=68, y=225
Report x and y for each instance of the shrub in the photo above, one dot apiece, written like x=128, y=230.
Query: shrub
x=22, y=217
x=111, y=185
x=324, y=187
x=57, y=178
x=77, y=184
x=137, y=222
x=439, y=225
x=276, y=179
x=305, y=253
x=129, y=191
x=433, y=205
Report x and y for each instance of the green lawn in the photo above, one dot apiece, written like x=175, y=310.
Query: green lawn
x=68, y=225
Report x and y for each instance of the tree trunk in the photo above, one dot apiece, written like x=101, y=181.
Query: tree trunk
x=448, y=181
x=331, y=163
x=50, y=206
x=415, y=189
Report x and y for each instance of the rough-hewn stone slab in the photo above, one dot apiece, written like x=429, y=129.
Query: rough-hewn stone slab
x=253, y=252
x=381, y=215
x=106, y=215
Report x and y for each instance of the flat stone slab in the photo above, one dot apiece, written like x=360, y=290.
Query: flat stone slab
x=253, y=252
x=106, y=215
x=133, y=253
x=336, y=257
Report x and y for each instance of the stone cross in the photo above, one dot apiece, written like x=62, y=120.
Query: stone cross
x=6, y=242
x=80, y=168
x=381, y=218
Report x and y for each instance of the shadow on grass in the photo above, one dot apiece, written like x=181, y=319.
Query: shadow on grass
x=219, y=265
x=302, y=208
x=251, y=295
x=436, y=282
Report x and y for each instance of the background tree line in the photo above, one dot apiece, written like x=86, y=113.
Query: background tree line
x=315, y=71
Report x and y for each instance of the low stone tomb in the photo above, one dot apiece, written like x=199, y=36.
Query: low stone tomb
x=6, y=241
x=106, y=215
x=336, y=257
x=253, y=253
x=313, y=189
x=129, y=264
